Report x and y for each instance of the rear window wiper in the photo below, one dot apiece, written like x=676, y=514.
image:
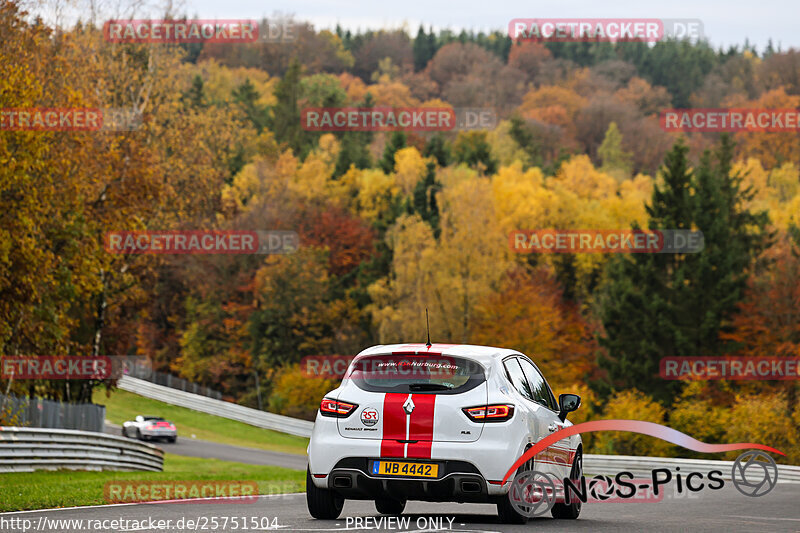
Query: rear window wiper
x=428, y=386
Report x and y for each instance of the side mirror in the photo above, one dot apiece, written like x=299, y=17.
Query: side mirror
x=568, y=403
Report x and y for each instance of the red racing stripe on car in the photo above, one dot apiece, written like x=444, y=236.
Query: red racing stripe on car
x=394, y=425
x=421, y=428
x=555, y=455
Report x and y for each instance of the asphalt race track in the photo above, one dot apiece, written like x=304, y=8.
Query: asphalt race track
x=721, y=510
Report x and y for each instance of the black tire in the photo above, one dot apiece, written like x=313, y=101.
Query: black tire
x=139, y=435
x=390, y=507
x=573, y=510
x=506, y=511
x=125, y=432
x=172, y=439
x=323, y=504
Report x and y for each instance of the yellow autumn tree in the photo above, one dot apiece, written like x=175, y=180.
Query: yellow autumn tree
x=449, y=276
x=578, y=197
x=632, y=405
x=410, y=167
x=776, y=191
x=505, y=149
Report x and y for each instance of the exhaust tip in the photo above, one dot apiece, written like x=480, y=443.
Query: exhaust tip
x=470, y=486
x=342, y=482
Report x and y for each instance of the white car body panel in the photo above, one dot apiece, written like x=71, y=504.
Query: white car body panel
x=443, y=433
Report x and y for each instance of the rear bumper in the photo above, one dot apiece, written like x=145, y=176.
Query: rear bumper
x=458, y=481
x=483, y=462
x=159, y=434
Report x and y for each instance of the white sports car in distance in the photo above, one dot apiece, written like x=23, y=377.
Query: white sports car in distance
x=150, y=427
x=437, y=423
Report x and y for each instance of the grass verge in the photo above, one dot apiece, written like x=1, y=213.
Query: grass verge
x=122, y=406
x=21, y=491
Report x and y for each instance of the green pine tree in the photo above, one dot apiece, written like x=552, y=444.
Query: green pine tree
x=354, y=149
x=437, y=148
x=285, y=120
x=524, y=137
x=472, y=148
x=616, y=161
x=246, y=96
x=196, y=95
x=658, y=305
x=424, y=198
x=396, y=142
x=734, y=237
x=422, y=50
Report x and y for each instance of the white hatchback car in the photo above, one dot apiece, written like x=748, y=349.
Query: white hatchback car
x=437, y=423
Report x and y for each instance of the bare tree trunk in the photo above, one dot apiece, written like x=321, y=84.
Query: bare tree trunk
x=100, y=317
x=99, y=323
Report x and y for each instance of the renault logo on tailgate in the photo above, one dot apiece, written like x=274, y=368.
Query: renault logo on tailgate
x=408, y=406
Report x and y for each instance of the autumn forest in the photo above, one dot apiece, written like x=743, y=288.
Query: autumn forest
x=392, y=223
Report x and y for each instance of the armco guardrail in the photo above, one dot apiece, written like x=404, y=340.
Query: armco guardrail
x=27, y=449
x=642, y=466
x=254, y=417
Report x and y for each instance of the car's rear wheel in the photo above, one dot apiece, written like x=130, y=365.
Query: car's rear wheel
x=323, y=504
x=139, y=435
x=172, y=439
x=507, y=513
x=505, y=510
x=571, y=511
x=390, y=507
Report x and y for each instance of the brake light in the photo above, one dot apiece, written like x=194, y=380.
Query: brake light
x=336, y=408
x=489, y=413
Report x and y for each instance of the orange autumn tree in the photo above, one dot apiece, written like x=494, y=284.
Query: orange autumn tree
x=768, y=322
x=772, y=148
x=554, y=105
x=347, y=238
x=530, y=315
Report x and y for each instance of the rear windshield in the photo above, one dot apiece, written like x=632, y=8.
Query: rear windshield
x=432, y=374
